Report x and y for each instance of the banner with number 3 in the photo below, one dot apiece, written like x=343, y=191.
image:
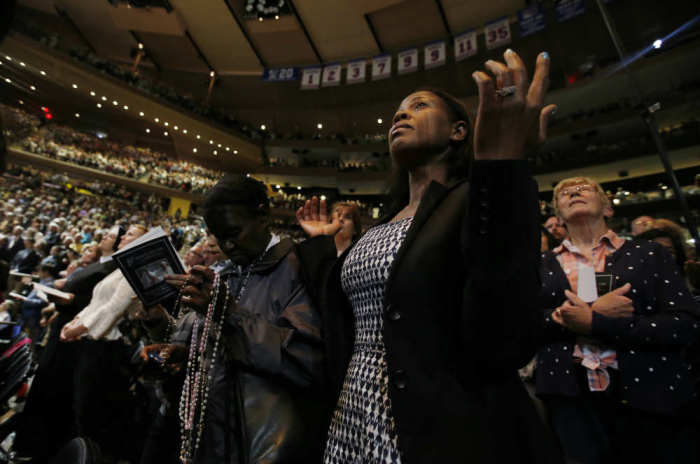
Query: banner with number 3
x=465, y=45
x=356, y=71
x=497, y=33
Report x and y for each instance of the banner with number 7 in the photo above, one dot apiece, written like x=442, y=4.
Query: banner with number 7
x=381, y=67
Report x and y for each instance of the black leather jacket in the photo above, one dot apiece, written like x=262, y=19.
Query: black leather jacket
x=265, y=402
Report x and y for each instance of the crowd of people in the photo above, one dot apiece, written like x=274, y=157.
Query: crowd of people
x=399, y=343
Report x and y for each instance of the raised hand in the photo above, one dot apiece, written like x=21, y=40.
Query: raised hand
x=313, y=218
x=511, y=118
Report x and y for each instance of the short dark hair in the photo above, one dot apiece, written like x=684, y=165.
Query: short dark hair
x=237, y=190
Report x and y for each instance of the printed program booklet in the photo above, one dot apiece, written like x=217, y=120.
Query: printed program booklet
x=146, y=261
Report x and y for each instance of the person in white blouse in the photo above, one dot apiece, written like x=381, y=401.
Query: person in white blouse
x=112, y=298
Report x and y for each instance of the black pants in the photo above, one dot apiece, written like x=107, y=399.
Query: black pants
x=595, y=429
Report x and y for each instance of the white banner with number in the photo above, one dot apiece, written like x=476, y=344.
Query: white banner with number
x=310, y=78
x=356, y=71
x=497, y=33
x=435, y=54
x=407, y=61
x=465, y=45
x=381, y=67
x=331, y=75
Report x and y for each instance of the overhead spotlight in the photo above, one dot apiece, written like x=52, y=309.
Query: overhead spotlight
x=43, y=73
x=218, y=145
x=211, y=142
x=77, y=115
x=21, y=102
x=379, y=120
x=247, y=175
x=165, y=123
x=31, y=87
x=175, y=127
x=277, y=17
x=228, y=149
x=194, y=150
x=216, y=152
x=212, y=73
x=156, y=119
x=165, y=133
x=184, y=131
x=140, y=46
x=323, y=197
x=198, y=137
x=104, y=99
x=8, y=80
x=263, y=127
x=8, y=58
x=235, y=152
x=115, y=103
x=299, y=187
x=658, y=43
x=21, y=63
x=148, y=131
x=92, y=94
x=126, y=107
x=260, y=19
x=99, y=105
x=75, y=86
x=278, y=186
x=319, y=126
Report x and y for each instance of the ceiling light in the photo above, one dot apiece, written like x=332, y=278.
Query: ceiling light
x=228, y=149
x=175, y=127
x=165, y=123
x=247, y=175
x=140, y=46
x=99, y=105
x=184, y=131
x=148, y=131
x=165, y=133
x=126, y=107
x=216, y=152
x=8, y=58
x=77, y=115
x=115, y=103
x=379, y=120
x=156, y=119
x=235, y=152
x=92, y=93
x=323, y=198
x=212, y=74
x=104, y=99
x=211, y=142
x=21, y=102
x=262, y=127
x=198, y=137
x=75, y=86
x=277, y=17
x=31, y=87
x=299, y=188
x=278, y=186
x=219, y=145
x=140, y=113
x=658, y=43
x=194, y=150
x=319, y=126
x=43, y=73
x=260, y=19
x=21, y=63
x=7, y=79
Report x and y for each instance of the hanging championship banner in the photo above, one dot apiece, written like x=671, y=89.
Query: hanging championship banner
x=310, y=78
x=531, y=20
x=497, y=33
x=567, y=9
x=435, y=54
x=465, y=45
x=331, y=75
x=381, y=67
x=356, y=71
x=407, y=61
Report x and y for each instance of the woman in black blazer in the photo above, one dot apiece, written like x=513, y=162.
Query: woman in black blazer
x=429, y=315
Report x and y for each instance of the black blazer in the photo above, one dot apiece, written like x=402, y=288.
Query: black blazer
x=460, y=318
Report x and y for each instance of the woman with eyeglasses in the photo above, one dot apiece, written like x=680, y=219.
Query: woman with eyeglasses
x=618, y=319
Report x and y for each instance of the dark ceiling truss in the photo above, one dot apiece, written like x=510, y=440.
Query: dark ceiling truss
x=199, y=51
x=368, y=20
x=245, y=34
x=138, y=40
x=304, y=30
x=443, y=16
x=66, y=17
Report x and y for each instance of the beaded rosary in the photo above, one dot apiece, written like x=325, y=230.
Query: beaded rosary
x=199, y=371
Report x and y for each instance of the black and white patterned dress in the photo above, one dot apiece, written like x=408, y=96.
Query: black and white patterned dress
x=362, y=429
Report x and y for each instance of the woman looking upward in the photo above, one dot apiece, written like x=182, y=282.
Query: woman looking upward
x=430, y=313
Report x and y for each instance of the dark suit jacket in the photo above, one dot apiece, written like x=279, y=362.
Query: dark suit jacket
x=16, y=246
x=460, y=318
x=25, y=261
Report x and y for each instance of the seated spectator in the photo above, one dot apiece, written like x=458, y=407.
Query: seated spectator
x=618, y=319
x=556, y=228
x=642, y=224
x=26, y=260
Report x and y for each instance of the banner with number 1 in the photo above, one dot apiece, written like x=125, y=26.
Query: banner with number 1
x=311, y=78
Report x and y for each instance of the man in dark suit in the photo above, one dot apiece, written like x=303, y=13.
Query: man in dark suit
x=16, y=242
x=47, y=421
x=27, y=259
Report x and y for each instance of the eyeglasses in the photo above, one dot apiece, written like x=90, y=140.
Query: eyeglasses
x=566, y=191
